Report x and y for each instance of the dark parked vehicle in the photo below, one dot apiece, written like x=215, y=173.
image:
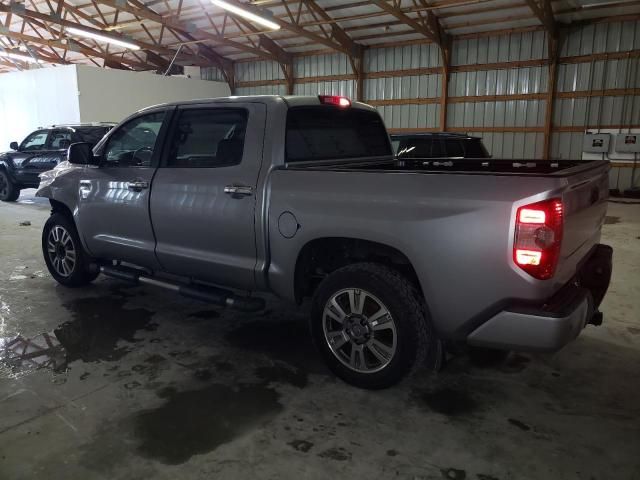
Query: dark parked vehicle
x=42, y=150
x=438, y=145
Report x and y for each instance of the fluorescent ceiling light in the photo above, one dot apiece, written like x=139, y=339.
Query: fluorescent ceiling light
x=246, y=14
x=18, y=56
x=102, y=38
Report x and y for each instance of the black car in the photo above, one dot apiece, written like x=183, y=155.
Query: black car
x=438, y=145
x=42, y=150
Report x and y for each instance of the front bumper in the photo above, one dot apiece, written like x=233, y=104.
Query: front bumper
x=550, y=326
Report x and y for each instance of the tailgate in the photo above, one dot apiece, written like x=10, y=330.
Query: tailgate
x=585, y=206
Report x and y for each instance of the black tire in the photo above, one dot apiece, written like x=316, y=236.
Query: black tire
x=415, y=341
x=80, y=273
x=9, y=191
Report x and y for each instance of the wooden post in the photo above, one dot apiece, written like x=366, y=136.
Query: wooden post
x=444, y=94
x=357, y=65
x=287, y=70
x=551, y=96
x=230, y=75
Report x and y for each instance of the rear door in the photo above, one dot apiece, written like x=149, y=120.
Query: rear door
x=204, y=194
x=113, y=208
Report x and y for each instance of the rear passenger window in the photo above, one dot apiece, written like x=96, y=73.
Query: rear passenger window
x=208, y=138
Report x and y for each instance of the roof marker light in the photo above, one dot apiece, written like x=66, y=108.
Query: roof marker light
x=336, y=100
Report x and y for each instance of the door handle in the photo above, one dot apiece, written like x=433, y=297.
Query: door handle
x=238, y=190
x=137, y=185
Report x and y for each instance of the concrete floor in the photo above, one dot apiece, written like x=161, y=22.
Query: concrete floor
x=151, y=385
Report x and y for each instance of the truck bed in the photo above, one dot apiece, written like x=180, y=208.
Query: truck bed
x=464, y=222
x=559, y=168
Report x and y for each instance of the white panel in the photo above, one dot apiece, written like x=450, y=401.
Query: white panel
x=36, y=98
x=111, y=95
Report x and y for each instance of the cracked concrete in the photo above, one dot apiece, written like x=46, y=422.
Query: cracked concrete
x=139, y=383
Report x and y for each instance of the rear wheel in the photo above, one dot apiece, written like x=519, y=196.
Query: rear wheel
x=66, y=260
x=9, y=192
x=371, y=326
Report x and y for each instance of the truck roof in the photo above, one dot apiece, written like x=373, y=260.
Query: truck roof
x=290, y=100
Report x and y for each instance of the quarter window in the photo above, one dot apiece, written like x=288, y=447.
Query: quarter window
x=208, y=138
x=132, y=145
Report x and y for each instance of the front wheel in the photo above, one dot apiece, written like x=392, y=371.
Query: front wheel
x=371, y=326
x=9, y=192
x=66, y=260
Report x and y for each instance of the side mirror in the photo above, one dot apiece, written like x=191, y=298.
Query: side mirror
x=81, y=154
x=14, y=146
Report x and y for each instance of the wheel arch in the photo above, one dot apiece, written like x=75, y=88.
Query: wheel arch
x=58, y=207
x=321, y=256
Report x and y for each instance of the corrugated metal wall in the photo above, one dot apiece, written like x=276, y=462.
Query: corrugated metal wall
x=404, y=83
x=592, y=110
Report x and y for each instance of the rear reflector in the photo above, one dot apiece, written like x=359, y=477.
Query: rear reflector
x=538, y=236
x=335, y=100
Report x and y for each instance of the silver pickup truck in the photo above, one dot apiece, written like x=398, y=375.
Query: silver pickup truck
x=302, y=197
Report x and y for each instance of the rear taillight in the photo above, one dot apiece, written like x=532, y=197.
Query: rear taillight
x=538, y=236
x=335, y=100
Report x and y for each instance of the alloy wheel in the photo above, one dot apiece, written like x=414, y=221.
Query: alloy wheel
x=61, y=251
x=359, y=330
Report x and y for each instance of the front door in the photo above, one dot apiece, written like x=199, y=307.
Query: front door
x=113, y=213
x=203, y=199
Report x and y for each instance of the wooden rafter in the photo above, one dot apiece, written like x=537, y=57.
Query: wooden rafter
x=337, y=32
x=430, y=28
x=300, y=31
x=141, y=10
x=544, y=12
x=74, y=44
